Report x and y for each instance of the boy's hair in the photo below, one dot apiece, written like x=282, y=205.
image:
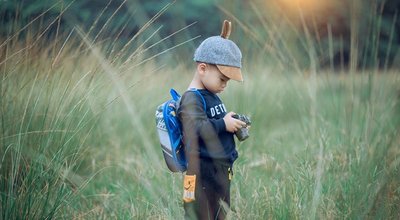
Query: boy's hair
x=222, y=52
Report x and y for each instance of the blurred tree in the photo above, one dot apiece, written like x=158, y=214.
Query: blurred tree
x=364, y=32
x=359, y=34
x=15, y=14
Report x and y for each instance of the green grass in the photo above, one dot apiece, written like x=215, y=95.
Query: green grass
x=78, y=139
x=341, y=167
x=68, y=153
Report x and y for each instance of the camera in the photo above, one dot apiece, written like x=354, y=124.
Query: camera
x=243, y=133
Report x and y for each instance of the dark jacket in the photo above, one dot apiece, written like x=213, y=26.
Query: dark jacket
x=204, y=132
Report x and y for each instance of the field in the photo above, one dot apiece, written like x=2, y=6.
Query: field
x=78, y=138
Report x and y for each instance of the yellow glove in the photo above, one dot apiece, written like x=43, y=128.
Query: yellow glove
x=189, y=186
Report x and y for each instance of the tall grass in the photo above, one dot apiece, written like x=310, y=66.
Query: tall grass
x=78, y=136
x=56, y=127
x=344, y=167
x=44, y=124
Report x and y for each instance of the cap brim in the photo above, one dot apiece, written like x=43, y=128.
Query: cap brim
x=231, y=72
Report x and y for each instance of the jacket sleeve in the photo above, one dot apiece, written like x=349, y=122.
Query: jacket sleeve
x=196, y=125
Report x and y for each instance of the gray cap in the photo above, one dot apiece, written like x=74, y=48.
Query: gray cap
x=222, y=52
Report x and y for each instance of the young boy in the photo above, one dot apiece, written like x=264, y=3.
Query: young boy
x=208, y=129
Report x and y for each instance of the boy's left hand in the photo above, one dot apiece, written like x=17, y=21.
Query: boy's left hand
x=233, y=124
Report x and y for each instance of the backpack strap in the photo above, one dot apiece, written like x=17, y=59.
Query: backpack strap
x=175, y=95
x=201, y=96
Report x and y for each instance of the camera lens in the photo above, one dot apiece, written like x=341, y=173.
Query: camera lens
x=242, y=134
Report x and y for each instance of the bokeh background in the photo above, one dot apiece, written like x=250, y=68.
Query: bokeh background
x=81, y=80
x=365, y=31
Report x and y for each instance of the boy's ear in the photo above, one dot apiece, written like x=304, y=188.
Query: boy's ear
x=201, y=67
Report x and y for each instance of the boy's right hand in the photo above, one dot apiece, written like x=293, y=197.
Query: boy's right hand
x=233, y=124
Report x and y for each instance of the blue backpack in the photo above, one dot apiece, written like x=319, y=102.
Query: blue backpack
x=169, y=130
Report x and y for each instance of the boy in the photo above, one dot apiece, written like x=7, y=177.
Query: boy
x=208, y=135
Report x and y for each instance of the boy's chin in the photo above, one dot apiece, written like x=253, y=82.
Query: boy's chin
x=215, y=91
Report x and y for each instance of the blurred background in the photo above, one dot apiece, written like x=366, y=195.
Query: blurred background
x=80, y=82
x=363, y=32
